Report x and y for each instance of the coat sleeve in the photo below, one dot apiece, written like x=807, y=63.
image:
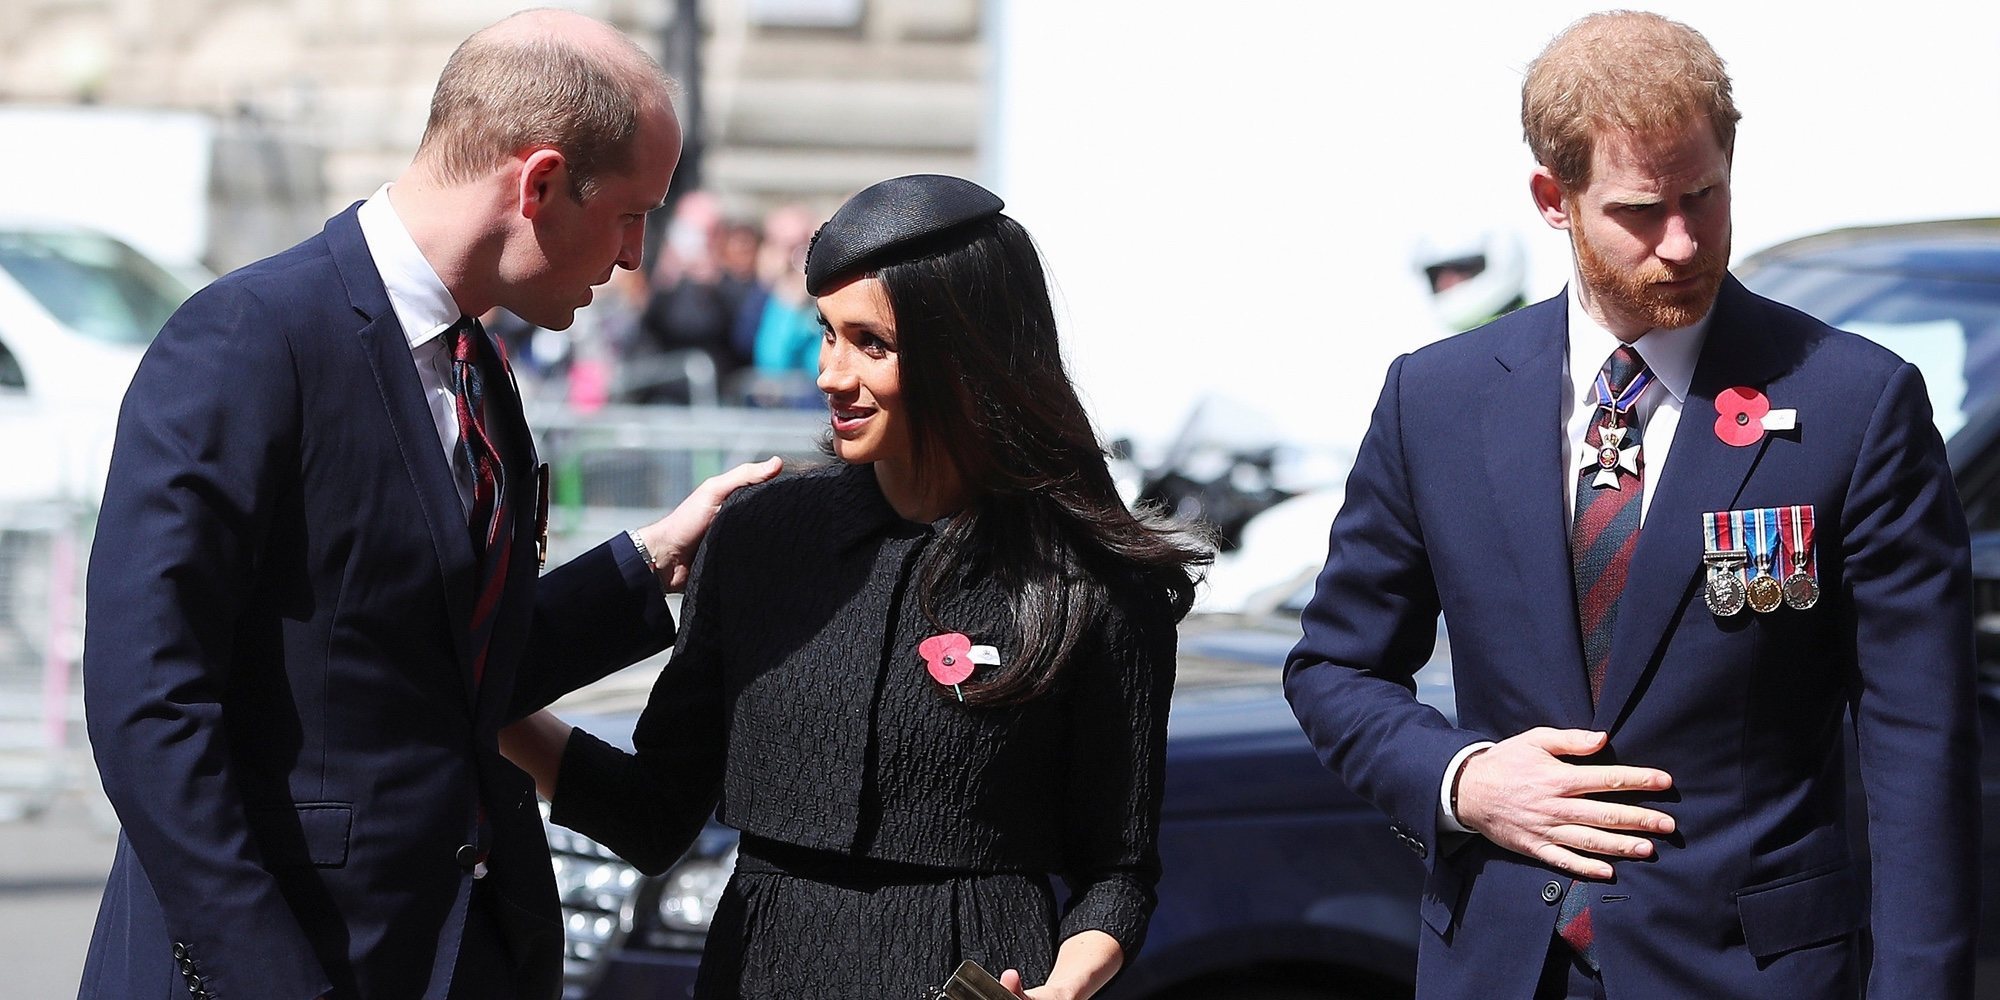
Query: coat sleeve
x=1371, y=624
x=1907, y=573
x=649, y=805
x=206, y=438
x=594, y=615
x=1117, y=776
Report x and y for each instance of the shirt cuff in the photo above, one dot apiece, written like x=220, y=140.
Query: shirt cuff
x=1447, y=818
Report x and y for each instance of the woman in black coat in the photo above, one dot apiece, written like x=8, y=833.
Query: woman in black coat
x=926, y=679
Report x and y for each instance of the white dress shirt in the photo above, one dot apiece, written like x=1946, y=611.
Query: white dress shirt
x=425, y=309
x=1670, y=355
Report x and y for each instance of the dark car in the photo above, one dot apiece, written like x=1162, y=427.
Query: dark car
x=1279, y=883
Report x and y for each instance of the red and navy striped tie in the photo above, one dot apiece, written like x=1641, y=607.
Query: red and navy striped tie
x=1606, y=526
x=1608, y=497
x=492, y=517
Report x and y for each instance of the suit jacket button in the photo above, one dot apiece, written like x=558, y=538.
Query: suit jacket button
x=1551, y=892
x=180, y=951
x=468, y=856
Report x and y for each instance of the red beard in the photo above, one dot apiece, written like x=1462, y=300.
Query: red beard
x=1638, y=295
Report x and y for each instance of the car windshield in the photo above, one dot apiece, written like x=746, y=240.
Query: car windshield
x=1943, y=319
x=93, y=284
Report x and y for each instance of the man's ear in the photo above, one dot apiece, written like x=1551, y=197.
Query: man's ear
x=543, y=176
x=1548, y=195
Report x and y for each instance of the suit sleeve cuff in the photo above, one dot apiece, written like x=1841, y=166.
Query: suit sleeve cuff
x=639, y=575
x=1447, y=817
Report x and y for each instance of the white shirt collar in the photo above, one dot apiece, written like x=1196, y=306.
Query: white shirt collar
x=423, y=305
x=1670, y=354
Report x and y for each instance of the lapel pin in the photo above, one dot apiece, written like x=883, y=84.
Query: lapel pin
x=1743, y=415
x=948, y=658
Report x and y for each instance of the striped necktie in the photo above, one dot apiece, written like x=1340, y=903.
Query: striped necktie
x=492, y=517
x=1608, y=497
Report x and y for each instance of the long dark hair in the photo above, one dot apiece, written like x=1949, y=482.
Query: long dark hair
x=987, y=393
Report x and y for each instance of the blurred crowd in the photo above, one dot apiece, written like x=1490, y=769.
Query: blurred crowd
x=718, y=316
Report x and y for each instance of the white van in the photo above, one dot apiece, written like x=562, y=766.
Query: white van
x=77, y=309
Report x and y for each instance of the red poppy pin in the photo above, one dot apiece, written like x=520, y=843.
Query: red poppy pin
x=948, y=658
x=1743, y=415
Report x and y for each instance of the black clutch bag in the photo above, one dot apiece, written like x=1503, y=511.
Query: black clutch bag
x=970, y=982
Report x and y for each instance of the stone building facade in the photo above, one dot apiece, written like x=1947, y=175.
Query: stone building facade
x=802, y=100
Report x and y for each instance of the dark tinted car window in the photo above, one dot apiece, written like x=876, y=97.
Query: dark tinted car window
x=1937, y=306
x=1930, y=292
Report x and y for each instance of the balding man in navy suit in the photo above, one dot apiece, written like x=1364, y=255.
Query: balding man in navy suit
x=313, y=595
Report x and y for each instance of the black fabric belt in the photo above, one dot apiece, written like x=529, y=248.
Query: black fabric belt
x=761, y=856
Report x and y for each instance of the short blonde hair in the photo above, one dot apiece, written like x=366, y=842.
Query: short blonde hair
x=1623, y=70
x=502, y=92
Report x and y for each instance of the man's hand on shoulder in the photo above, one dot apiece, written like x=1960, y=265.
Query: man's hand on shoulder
x=672, y=539
x=1522, y=795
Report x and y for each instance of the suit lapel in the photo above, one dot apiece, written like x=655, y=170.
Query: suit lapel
x=1702, y=474
x=387, y=349
x=1523, y=445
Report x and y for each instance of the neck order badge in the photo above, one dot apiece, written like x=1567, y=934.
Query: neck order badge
x=1617, y=446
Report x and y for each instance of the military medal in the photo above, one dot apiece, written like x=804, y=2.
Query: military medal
x=1725, y=593
x=1765, y=592
x=1801, y=585
x=1615, y=453
x=1723, y=554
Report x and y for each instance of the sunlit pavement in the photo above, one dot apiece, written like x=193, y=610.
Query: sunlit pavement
x=52, y=870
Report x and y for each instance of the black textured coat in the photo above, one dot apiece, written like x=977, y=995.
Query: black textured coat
x=870, y=793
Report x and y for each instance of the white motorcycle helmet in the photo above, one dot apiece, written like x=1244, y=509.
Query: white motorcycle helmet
x=1473, y=277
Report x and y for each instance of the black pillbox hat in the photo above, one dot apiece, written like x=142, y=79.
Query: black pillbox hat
x=888, y=216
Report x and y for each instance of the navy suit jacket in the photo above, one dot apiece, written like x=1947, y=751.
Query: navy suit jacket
x=1455, y=506
x=277, y=663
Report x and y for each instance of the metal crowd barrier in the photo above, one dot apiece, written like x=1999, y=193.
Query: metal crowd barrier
x=611, y=469
x=619, y=467
x=43, y=547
